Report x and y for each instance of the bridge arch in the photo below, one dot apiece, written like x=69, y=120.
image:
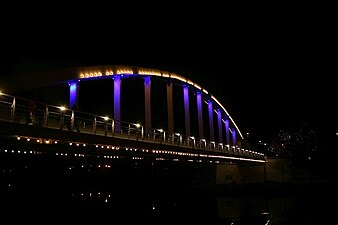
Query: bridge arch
x=117, y=73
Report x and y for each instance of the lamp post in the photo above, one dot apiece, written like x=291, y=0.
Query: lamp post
x=179, y=141
x=227, y=148
x=106, y=118
x=161, y=131
x=138, y=129
x=221, y=146
x=213, y=145
x=162, y=136
x=62, y=118
x=193, y=140
x=204, y=143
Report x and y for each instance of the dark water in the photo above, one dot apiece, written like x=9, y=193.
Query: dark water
x=45, y=188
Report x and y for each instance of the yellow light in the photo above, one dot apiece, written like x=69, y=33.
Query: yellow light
x=124, y=71
x=175, y=76
x=149, y=72
x=197, y=86
x=110, y=72
x=190, y=82
x=62, y=108
x=106, y=118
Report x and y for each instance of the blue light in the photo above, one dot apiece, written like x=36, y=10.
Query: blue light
x=73, y=93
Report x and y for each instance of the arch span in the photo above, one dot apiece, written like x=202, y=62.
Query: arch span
x=72, y=75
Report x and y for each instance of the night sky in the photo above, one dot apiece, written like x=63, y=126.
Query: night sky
x=271, y=70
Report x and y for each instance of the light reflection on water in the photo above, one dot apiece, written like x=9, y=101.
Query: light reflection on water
x=162, y=193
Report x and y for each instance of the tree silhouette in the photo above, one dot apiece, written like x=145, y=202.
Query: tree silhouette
x=297, y=143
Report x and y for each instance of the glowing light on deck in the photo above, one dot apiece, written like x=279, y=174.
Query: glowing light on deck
x=175, y=76
x=190, y=82
x=197, y=86
x=110, y=72
x=149, y=72
x=124, y=71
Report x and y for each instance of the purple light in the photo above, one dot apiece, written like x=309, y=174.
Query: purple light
x=147, y=102
x=227, y=134
x=199, y=111
x=117, y=111
x=211, y=121
x=219, y=117
x=147, y=81
x=186, y=110
x=73, y=89
x=234, y=141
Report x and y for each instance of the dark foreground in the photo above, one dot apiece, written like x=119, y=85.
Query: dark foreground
x=45, y=188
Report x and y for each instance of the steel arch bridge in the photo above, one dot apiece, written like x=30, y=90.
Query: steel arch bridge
x=210, y=112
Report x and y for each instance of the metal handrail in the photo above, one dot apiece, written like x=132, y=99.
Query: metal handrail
x=30, y=112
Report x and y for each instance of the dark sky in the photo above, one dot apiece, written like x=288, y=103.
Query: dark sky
x=269, y=69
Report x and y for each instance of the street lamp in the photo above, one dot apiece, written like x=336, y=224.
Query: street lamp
x=161, y=131
x=221, y=146
x=62, y=119
x=193, y=140
x=227, y=148
x=106, y=118
x=138, y=126
x=179, y=138
x=213, y=144
x=204, y=143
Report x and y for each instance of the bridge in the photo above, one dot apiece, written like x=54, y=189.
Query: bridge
x=209, y=133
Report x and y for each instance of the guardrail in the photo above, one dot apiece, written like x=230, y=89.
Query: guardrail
x=33, y=113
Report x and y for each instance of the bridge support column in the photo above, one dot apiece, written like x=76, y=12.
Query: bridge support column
x=211, y=120
x=147, y=103
x=199, y=114
x=170, y=110
x=186, y=111
x=234, y=140
x=227, y=132
x=220, y=127
x=73, y=93
x=117, y=109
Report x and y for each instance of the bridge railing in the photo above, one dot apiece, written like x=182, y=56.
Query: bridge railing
x=32, y=113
